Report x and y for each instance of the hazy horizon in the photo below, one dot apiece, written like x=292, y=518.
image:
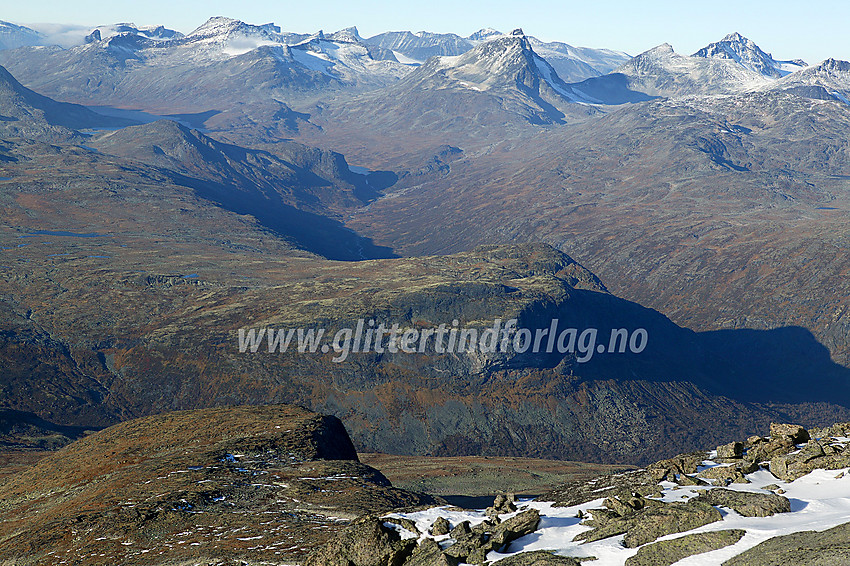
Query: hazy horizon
x=779, y=28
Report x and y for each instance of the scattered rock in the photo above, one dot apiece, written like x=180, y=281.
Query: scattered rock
x=731, y=450
x=440, y=527
x=746, y=503
x=465, y=546
x=796, y=433
x=428, y=553
x=685, y=479
x=724, y=475
x=813, y=456
x=667, y=552
x=461, y=530
x=403, y=522
x=501, y=505
x=624, y=508
x=517, y=526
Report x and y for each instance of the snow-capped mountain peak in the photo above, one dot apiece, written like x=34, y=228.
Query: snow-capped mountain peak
x=745, y=52
x=350, y=35
x=484, y=34
x=222, y=27
x=502, y=64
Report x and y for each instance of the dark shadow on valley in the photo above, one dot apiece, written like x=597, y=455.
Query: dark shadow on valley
x=781, y=365
x=312, y=232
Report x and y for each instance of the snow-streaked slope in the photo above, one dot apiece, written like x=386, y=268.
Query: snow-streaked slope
x=507, y=62
x=571, y=63
x=419, y=47
x=819, y=500
x=484, y=34
x=830, y=79
x=663, y=72
x=744, y=51
x=578, y=63
x=13, y=36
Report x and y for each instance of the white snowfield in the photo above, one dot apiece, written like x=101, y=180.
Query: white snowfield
x=819, y=500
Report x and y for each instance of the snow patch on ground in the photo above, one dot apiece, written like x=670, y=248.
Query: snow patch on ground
x=819, y=501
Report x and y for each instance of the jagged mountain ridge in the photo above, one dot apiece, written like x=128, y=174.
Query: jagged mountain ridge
x=205, y=69
x=571, y=63
x=734, y=65
x=829, y=80
x=501, y=81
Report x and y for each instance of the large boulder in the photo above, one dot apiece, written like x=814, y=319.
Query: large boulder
x=428, y=553
x=366, y=542
x=725, y=475
x=655, y=519
x=669, y=519
x=519, y=525
x=796, y=433
x=538, y=558
x=731, y=450
x=816, y=454
x=746, y=503
x=667, y=552
x=807, y=548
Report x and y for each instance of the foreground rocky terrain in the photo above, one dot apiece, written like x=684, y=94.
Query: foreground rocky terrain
x=768, y=500
x=282, y=485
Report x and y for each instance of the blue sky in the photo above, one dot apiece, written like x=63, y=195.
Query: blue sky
x=812, y=31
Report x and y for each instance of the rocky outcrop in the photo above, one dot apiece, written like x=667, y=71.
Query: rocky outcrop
x=538, y=558
x=366, y=542
x=370, y=542
x=816, y=454
x=667, y=552
x=808, y=548
x=746, y=503
x=644, y=520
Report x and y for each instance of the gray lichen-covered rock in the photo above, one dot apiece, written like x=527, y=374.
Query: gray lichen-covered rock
x=669, y=519
x=724, y=475
x=366, y=542
x=796, y=433
x=667, y=552
x=519, y=525
x=440, y=527
x=746, y=503
x=816, y=454
x=731, y=450
x=654, y=520
x=428, y=553
x=807, y=548
x=538, y=558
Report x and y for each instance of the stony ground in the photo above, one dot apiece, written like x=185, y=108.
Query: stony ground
x=766, y=500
